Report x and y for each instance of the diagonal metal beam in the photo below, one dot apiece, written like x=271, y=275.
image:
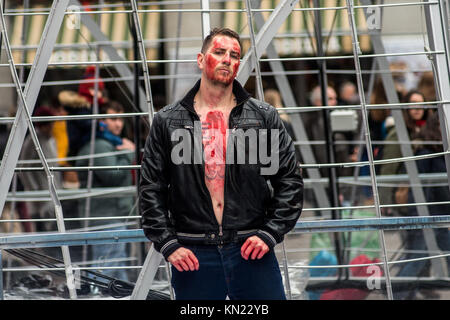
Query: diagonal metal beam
x=31, y=92
x=297, y=124
x=147, y=274
x=264, y=37
x=148, y=89
x=55, y=19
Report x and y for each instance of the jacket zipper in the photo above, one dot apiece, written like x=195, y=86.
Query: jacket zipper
x=225, y=182
x=203, y=168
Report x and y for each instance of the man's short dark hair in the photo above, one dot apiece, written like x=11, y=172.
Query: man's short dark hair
x=111, y=105
x=219, y=31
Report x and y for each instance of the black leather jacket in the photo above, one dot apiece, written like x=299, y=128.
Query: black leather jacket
x=175, y=203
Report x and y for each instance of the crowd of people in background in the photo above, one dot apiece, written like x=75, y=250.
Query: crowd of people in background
x=69, y=143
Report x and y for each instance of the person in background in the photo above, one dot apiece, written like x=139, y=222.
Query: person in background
x=348, y=94
x=415, y=119
x=37, y=180
x=108, y=140
x=315, y=129
x=72, y=135
x=426, y=85
x=415, y=240
x=81, y=103
x=273, y=97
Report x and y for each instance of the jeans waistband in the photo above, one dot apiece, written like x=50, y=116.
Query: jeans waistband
x=214, y=238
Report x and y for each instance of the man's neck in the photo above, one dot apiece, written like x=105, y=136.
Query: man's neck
x=214, y=96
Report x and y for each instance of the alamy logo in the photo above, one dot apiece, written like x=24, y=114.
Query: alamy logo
x=373, y=17
x=74, y=18
x=374, y=280
x=250, y=146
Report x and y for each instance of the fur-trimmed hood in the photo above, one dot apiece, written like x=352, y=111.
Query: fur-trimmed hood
x=72, y=99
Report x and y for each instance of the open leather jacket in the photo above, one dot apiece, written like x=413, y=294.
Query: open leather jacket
x=175, y=203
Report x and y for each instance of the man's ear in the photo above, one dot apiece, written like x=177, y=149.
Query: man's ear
x=200, y=60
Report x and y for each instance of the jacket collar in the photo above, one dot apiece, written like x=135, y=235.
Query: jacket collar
x=239, y=92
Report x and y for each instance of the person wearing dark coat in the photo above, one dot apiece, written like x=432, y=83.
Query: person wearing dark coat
x=415, y=240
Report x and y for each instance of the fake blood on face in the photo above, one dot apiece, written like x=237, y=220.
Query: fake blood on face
x=222, y=60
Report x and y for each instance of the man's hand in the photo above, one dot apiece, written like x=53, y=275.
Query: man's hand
x=183, y=260
x=254, y=246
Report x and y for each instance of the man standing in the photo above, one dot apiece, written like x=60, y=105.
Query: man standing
x=216, y=220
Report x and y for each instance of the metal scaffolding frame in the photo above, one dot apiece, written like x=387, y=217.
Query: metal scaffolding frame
x=261, y=34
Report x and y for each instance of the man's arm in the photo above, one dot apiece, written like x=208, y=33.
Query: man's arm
x=286, y=204
x=154, y=192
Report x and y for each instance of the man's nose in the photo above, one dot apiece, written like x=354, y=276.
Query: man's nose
x=226, y=58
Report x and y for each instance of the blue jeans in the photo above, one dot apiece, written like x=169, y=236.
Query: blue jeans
x=223, y=272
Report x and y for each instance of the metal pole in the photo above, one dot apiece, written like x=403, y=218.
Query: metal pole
x=438, y=37
x=1, y=275
x=330, y=152
x=137, y=124
x=148, y=89
x=87, y=208
x=14, y=181
x=169, y=276
x=356, y=52
x=177, y=53
x=151, y=255
x=437, y=19
x=147, y=274
x=286, y=273
x=259, y=85
x=206, y=19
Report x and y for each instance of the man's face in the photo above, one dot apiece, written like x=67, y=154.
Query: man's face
x=220, y=62
x=115, y=125
x=332, y=97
